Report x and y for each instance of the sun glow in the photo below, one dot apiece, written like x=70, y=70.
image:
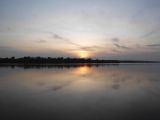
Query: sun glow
x=83, y=70
x=83, y=54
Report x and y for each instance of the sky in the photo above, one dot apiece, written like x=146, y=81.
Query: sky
x=104, y=29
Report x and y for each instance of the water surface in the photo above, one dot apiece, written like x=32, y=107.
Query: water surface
x=109, y=92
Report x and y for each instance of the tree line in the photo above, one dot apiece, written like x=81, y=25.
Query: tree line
x=62, y=60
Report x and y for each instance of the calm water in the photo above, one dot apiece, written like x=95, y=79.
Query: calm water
x=110, y=92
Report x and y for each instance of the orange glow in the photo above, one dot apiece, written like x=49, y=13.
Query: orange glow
x=83, y=54
x=83, y=70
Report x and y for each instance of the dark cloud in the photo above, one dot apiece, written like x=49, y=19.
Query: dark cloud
x=92, y=48
x=56, y=36
x=116, y=86
x=79, y=47
x=115, y=39
x=121, y=46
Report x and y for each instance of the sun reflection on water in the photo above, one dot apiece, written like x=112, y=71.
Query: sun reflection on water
x=83, y=70
x=82, y=78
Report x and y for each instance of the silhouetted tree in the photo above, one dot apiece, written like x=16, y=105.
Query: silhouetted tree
x=61, y=60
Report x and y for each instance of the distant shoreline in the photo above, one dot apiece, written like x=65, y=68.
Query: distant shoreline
x=65, y=61
x=70, y=65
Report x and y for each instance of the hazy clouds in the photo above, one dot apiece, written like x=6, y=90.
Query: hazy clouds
x=107, y=28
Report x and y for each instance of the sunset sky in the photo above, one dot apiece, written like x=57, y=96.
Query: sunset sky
x=105, y=29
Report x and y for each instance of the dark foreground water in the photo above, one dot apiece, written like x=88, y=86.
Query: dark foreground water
x=110, y=92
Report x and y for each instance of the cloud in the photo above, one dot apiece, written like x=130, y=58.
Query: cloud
x=121, y=46
x=56, y=36
x=115, y=51
x=7, y=51
x=41, y=41
x=153, y=45
x=148, y=34
x=115, y=40
x=92, y=48
x=79, y=47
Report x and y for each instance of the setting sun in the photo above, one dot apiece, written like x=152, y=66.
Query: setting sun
x=83, y=54
x=79, y=59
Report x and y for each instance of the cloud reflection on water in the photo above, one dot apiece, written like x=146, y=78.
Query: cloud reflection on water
x=81, y=78
x=109, y=92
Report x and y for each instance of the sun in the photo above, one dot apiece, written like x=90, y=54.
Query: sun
x=83, y=54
